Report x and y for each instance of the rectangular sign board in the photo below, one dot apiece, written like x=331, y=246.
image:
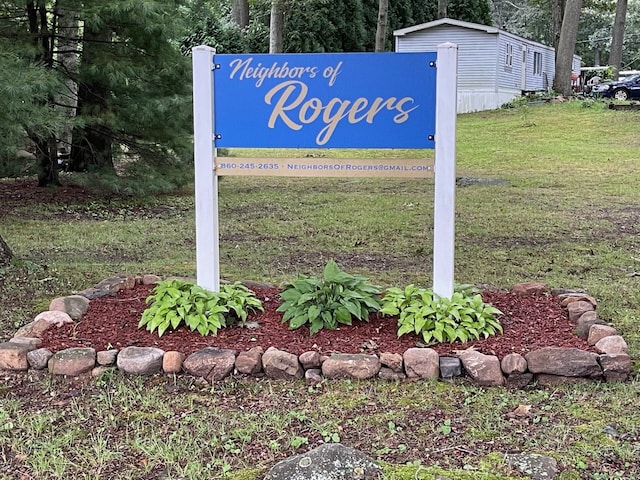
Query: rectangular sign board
x=341, y=100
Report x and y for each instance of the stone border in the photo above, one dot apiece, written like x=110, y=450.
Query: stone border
x=546, y=366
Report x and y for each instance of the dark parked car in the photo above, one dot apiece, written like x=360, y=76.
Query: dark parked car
x=620, y=90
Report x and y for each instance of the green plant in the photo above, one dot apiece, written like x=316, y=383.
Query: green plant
x=465, y=316
x=327, y=302
x=175, y=302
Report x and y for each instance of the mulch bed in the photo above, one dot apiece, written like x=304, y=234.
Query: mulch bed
x=530, y=322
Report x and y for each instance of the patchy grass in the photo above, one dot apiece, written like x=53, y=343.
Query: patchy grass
x=569, y=216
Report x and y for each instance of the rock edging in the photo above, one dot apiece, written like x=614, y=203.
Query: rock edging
x=546, y=366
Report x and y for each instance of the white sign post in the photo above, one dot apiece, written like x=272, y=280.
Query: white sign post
x=206, y=181
x=445, y=170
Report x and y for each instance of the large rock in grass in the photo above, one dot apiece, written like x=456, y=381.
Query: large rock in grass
x=212, y=364
x=282, y=365
x=140, y=360
x=357, y=366
x=13, y=356
x=565, y=362
x=43, y=322
x=483, y=369
x=423, y=363
x=74, y=305
x=331, y=461
x=72, y=361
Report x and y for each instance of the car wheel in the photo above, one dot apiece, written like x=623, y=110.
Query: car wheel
x=621, y=94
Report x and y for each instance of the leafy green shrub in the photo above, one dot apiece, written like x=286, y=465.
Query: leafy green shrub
x=465, y=316
x=174, y=302
x=324, y=303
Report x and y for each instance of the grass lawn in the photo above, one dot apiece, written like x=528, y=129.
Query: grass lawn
x=568, y=214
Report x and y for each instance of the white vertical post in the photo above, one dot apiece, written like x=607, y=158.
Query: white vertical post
x=206, y=182
x=445, y=169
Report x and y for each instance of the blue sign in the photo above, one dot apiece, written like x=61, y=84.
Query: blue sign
x=342, y=100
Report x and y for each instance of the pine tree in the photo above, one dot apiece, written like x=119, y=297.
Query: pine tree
x=133, y=91
x=134, y=87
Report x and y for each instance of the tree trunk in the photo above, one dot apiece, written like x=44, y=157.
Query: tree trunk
x=381, y=30
x=43, y=34
x=67, y=47
x=617, y=38
x=276, y=26
x=5, y=253
x=92, y=143
x=442, y=8
x=240, y=13
x=566, y=47
x=557, y=14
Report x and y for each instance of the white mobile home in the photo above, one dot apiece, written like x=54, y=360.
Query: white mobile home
x=494, y=66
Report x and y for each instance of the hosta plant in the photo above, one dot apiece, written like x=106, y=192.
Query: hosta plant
x=335, y=299
x=176, y=302
x=463, y=317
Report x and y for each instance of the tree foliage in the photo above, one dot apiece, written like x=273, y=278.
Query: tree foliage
x=132, y=95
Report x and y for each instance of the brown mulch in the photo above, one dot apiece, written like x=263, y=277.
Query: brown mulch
x=529, y=322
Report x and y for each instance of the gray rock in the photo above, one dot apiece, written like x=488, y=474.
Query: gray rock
x=393, y=361
x=310, y=359
x=212, y=364
x=31, y=342
x=536, y=467
x=109, y=286
x=38, y=359
x=575, y=297
x=582, y=329
x=387, y=373
x=483, y=369
x=615, y=366
x=331, y=461
x=107, y=357
x=577, y=309
x=598, y=332
x=74, y=305
x=313, y=375
x=357, y=366
x=250, y=362
x=72, y=361
x=150, y=279
x=279, y=364
x=421, y=363
x=116, y=283
x=530, y=288
x=13, y=356
x=589, y=316
x=450, y=367
x=43, y=322
x=567, y=362
x=140, y=360
x=612, y=344
x=513, y=363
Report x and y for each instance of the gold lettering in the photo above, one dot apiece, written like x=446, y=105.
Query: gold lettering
x=332, y=120
x=281, y=106
x=403, y=116
x=316, y=105
x=358, y=106
x=377, y=105
x=237, y=64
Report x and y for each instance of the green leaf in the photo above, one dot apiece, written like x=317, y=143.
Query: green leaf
x=298, y=321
